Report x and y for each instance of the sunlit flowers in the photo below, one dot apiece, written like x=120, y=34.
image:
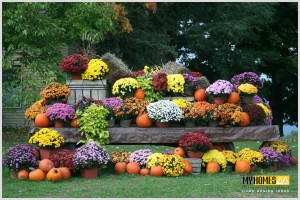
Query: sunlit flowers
x=152, y=160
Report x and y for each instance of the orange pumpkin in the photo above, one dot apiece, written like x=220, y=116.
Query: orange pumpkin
x=36, y=175
x=23, y=174
x=188, y=169
x=139, y=94
x=120, y=167
x=179, y=151
x=294, y=161
x=45, y=165
x=54, y=175
x=66, y=173
x=74, y=123
x=212, y=167
x=133, y=168
x=234, y=98
x=143, y=121
x=245, y=119
x=41, y=120
x=156, y=170
x=144, y=172
x=200, y=95
x=242, y=167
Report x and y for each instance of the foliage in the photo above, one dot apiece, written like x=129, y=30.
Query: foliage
x=84, y=103
x=90, y=155
x=247, y=89
x=172, y=165
x=124, y=85
x=175, y=83
x=55, y=90
x=20, y=156
x=96, y=70
x=35, y=109
x=60, y=111
x=64, y=158
x=93, y=124
x=253, y=157
x=120, y=156
x=145, y=83
x=195, y=141
x=246, y=77
x=153, y=159
x=75, y=63
x=47, y=138
x=270, y=156
x=216, y=155
x=220, y=88
x=164, y=111
x=140, y=156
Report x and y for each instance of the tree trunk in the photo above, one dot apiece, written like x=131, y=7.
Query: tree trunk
x=276, y=100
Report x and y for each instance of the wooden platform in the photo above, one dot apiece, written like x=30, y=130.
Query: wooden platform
x=171, y=135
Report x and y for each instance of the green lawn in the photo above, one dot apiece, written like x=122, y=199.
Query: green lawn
x=110, y=185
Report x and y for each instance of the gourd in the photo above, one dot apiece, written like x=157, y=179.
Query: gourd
x=23, y=174
x=41, y=120
x=139, y=94
x=36, y=175
x=156, y=170
x=133, y=168
x=200, y=95
x=212, y=167
x=188, y=169
x=245, y=119
x=54, y=175
x=234, y=98
x=179, y=151
x=143, y=121
x=120, y=167
x=144, y=172
x=45, y=165
x=242, y=167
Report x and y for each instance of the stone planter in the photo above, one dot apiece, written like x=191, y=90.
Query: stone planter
x=125, y=123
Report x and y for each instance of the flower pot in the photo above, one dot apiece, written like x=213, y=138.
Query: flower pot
x=162, y=124
x=89, y=173
x=246, y=99
x=58, y=124
x=219, y=100
x=111, y=123
x=213, y=123
x=193, y=154
x=46, y=153
x=76, y=76
x=273, y=167
x=190, y=124
x=125, y=123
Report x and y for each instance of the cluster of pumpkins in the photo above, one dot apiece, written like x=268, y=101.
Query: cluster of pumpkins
x=46, y=170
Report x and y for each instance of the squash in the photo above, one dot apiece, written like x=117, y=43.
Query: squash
x=234, y=98
x=245, y=119
x=179, y=151
x=143, y=121
x=36, y=175
x=188, y=169
x=133, y=168
x=144, y=172
x=200, y=95
x=41, y=120
x=242, y=167
x=74, y=123
x=212, y=167
x=120, y=167
x=66, y=173
x=54, y=175
x=45, y=165
x=156, y=170
x=139, y=94
x=23, y=174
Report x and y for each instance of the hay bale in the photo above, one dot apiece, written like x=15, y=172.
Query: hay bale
x=116, y=67
x=174, y=68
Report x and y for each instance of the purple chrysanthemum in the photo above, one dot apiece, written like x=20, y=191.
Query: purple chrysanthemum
x=140, y=156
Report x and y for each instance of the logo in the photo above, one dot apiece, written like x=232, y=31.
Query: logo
x=267, y=180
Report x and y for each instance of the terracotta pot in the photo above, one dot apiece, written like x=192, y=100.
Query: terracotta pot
x=125, y=123
x=219, y=100
x=76, y=76
x=162, y=124
x=89, y=173
x=58, y=124
x=193, y=154
x=46, y=153
x=190, y=124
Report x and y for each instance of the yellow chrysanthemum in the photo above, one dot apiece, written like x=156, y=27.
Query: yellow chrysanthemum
x=47, y=138
x=248, y=89
x=253, y=157
x=175, y=83
x=124, y=85
x=265, y=108
x=216, y=155
x=181, y=103
x=95, y=71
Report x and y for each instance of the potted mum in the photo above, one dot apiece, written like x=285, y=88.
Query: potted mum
x=160, y=82
x=89, y=157
x=35, y=109
x=48, y=140
x=230, y=158
x=64, y=158
x=247, y=92
x=172, y=165
x=271, y=158
x=140, y=156
x=246, y=77
x=202, y=109
x=163, y=112
x=125, y=87
x=21, y=156
x=60, y=113
x=189, y=115
x=195, y=143
x=110, y=104
x=220, y=90
x=95, y=71
x=126, y=113
x=256, y=113
x=74, y=64
x=175, y=84
x=254, y=158
x=190, y=84
x=214, y=155
x=55, y=93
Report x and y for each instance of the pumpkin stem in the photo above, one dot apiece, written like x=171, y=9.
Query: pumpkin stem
x=31, y=168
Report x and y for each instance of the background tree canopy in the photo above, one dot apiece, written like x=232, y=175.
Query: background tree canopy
x=218, y=39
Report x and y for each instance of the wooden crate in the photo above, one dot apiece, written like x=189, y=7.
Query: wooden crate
x=196, y=165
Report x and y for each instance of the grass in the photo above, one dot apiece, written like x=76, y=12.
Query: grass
x=110, y=185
